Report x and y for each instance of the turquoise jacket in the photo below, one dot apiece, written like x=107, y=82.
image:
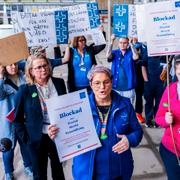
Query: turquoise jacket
x=7, y=103
x=122, y=120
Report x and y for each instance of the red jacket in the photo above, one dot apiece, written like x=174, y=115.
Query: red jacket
x=160, y=118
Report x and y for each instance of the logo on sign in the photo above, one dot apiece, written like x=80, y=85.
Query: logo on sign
x=82, y=95
x=177, y=4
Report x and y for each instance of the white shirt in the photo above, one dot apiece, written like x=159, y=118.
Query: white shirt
x=44, y=93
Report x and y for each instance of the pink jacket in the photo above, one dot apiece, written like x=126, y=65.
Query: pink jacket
x=160, y=118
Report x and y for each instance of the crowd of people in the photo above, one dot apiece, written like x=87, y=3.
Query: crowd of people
x=25, y=86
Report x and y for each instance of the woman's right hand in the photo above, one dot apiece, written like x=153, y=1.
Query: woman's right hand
x=52, y=131
x=169, y=118
x=2, y=69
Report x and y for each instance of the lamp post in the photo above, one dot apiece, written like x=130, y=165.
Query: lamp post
x=109, y=20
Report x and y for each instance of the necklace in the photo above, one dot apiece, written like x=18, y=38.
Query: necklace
x=103, y=119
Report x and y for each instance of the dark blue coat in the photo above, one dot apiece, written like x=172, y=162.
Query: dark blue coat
x=30, y=129
x=122, y=120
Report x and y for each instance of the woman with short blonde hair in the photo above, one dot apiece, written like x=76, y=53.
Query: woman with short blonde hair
x=28, y=67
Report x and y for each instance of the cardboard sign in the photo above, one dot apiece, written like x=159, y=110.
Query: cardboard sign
x=13, y=49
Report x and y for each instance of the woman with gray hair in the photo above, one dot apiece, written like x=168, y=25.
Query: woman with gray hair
x=118, y=130
x=31, y=107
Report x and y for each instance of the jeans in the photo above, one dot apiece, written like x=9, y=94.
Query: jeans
x=170, y=163
x=8, y=156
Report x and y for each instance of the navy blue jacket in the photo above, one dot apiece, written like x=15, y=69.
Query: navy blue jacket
x=122, y=120
x=30, y=129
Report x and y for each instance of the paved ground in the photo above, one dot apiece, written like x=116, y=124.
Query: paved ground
x=148, y=165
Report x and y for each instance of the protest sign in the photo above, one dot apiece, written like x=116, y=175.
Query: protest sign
x=141, y=20
x=162, y=28
x=98, y=37
x=124, y=20
x=42, y=28
x=13, y=49
x=72, y=115
x=82, y=18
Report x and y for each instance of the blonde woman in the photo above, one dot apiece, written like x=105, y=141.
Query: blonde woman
x=31, y=104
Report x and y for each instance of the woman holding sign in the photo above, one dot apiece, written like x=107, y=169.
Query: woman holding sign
x=118, y=130
x=31, y=104
x=80, y=59
x=169, y=150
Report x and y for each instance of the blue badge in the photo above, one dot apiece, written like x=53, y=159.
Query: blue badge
x=177, y=4
x=82, y=95
x=79, y=146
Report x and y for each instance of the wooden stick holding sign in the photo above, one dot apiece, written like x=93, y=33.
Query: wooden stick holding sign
x=13, y=49
x=169, y=109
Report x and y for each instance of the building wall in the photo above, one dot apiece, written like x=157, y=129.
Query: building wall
x=103, y=4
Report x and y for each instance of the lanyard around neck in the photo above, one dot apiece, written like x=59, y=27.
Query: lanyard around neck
x=103, y=119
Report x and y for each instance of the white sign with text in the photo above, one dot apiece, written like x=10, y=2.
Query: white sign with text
x=72, y=115
x=162, y=28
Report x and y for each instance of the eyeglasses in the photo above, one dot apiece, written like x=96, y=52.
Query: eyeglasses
x=38, y=68
x=81, y=40
x=97, y=84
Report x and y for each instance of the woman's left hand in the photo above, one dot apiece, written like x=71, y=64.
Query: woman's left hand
x=122, y=145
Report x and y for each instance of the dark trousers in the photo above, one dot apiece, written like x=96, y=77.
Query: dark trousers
x=139, y=90
x=170, y=163
x=139, y=94
x=39, y=157
x=153, y=90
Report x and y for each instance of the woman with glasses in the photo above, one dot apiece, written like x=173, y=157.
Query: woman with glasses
x=31, y=104
x=10, y=80
x=118, y=130
x=80, y=59
x=170, y=154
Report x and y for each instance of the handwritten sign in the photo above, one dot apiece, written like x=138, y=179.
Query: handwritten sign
x=162, y=28
x=72, y=115
x=98, y=37
x=13, y=49
x=42, y=28
x=124, y=20
x=82, y=18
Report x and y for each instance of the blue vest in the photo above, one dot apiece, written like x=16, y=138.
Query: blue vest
x=81, y=69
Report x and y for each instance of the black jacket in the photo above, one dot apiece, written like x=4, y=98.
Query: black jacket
x=28, y=117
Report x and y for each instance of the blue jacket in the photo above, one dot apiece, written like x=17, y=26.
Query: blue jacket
x=30, y=127
x=7, y=103
x=128, y=66
x=122, y=120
